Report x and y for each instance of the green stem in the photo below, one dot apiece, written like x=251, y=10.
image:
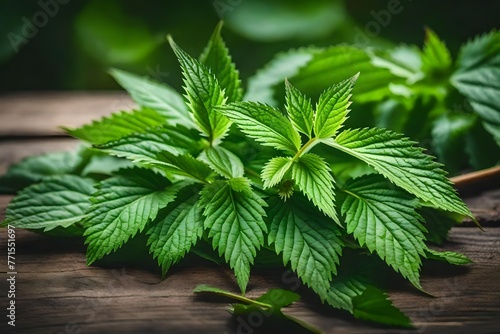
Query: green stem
x=305, y=148
x=232, y=296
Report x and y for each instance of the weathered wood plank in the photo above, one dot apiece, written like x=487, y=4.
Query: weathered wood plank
x=40, y=113
x=57, y=293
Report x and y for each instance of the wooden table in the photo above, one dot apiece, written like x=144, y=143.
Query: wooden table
x=58, y=293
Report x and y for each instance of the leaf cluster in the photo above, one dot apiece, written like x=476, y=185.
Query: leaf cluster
x=449, y=104
x=246, y=177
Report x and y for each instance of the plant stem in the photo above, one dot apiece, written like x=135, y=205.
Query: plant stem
x=306, y=147
x=232, y=296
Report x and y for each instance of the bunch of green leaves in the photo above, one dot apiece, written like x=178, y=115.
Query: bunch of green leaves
x=247, y=178
x=451, y=106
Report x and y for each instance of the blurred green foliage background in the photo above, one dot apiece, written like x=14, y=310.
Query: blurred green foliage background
x=69, y=44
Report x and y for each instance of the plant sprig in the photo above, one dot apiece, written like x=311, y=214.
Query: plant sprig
x=188, y=181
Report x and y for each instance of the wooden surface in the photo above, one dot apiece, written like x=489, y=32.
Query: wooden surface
x=58, y=293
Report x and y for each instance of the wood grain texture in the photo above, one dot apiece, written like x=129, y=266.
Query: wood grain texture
x=41, y=113
x=57, y=292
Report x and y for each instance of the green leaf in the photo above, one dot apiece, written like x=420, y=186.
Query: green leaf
x=478, y=78
x=403, y=61
x=282, y=22
x=374, y=305
x=332, y=108
x=279, y=298
x=174, y=232
x=58, y=201
x=438, y=223
x=312, y=175
x=216, y=57
x=343, y=288
x=33, y=169
x=399, y=160
x=223, y=161
x=436, y=58
x=310, y=242
x=386, y=221
x=269, y=304
x=448, y=139
x=151, y=94
x=264, y=123
x=210, y=289
x=203, y=93
x=481, y=148
x=144, y=147
x=274, y=170
x=122, y=206
x=117, y=125
x=184, y=165
x=262, y=85
x=336, y=63
x=299, y=109
x=235, y=224
x=450, y=257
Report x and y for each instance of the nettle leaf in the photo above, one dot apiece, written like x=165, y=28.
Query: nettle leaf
x=403, y=61
x=438, y=223
x=399, y=160
x=223, y=162
x=373, y=304
x=478, y=78
x=184, y=165
x=234, y=219
x=310, y=242
x=117, y=125
x=343, y=288
x=262, y=85
x=436, y=58
x=122, y=206
x=203, y=93
x=144, y=147
x=450, y=257
x=151, y=94
x=176, y=230
x=274, y=170
x=332, y=108
x=270, y=304
x=481, y=148
x=312, y=175
x=33, y=169
x=58, y=201
x=385, y=220
x=299, y=109
x=216, y=57
x=311, y=69
x=448, y=138
x=263, y=123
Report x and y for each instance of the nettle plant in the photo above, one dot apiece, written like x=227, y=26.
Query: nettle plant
x=250, y=179
x=448, y=103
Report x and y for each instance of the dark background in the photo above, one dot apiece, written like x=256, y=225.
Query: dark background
x=76, y=42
